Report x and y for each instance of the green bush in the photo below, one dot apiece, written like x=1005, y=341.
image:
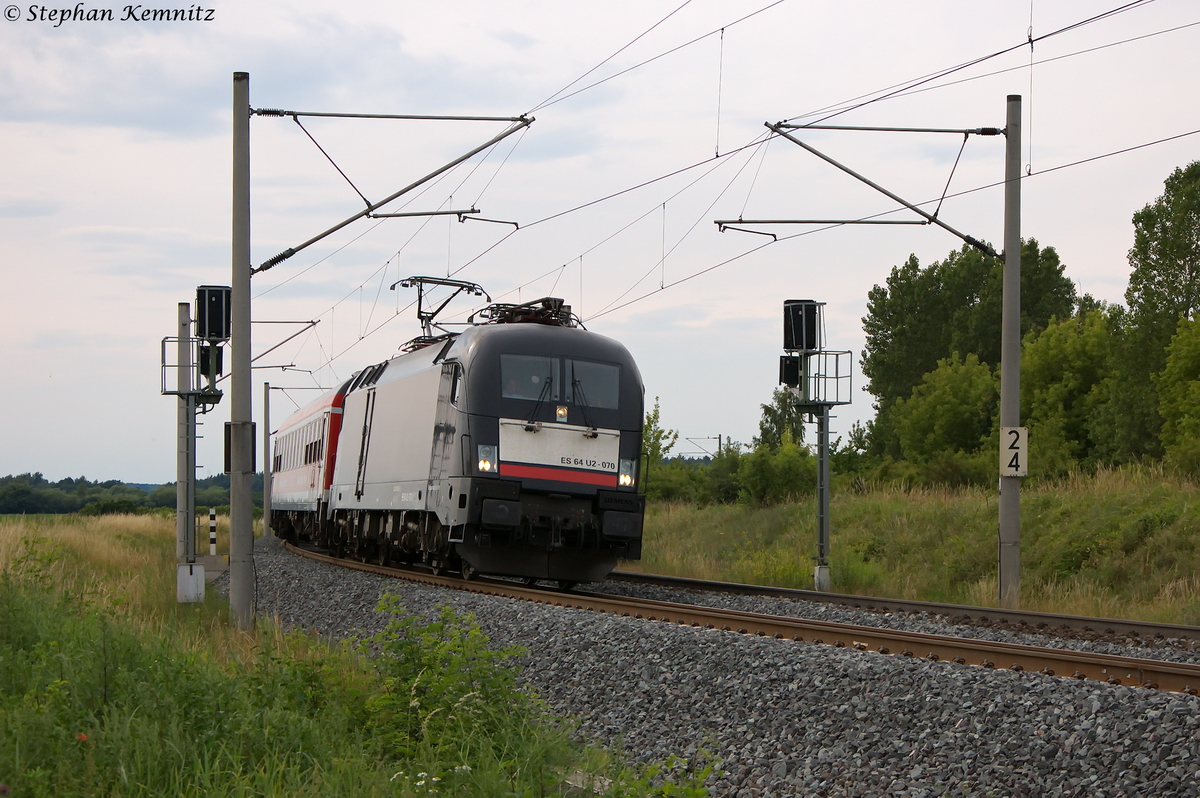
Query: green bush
x=768, y=477
x=94, y=703
x=678, y=481
x=113, y=507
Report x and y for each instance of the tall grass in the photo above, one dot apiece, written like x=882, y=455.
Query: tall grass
x=1120, y=542
x=109, y=687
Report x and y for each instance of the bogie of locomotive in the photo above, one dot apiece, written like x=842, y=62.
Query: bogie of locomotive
x=509, y=448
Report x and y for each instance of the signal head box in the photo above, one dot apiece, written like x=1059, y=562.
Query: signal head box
x=802, y=325
x=214, y=312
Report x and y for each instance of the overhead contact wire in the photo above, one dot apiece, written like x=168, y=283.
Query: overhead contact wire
x=551, y=99
x=895, y=210
x=1018, y=68
x=675, y=49
x=907, y=86
x=689, y=231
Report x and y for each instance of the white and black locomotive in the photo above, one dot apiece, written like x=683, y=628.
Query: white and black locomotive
x=509, y=448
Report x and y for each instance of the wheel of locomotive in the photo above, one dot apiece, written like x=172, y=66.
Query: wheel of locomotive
x=566, y=584
x=528, y=581
x=383, y=554
x=469, y=572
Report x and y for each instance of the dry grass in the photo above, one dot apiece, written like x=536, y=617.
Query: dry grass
x=124, y=564
x=1122, y=542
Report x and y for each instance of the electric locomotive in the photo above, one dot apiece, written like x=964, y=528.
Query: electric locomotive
x=508, y=448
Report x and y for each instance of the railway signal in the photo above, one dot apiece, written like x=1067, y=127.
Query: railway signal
x=820, y=379
x=198, y=369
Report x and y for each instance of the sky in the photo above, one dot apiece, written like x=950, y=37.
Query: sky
x=649, y=125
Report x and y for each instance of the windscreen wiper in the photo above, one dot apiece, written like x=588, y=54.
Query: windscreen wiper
x=577, y=389
x=530, y=425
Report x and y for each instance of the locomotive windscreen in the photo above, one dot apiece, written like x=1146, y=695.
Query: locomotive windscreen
x=529, y=377
x=553, y=379
x=592, y=384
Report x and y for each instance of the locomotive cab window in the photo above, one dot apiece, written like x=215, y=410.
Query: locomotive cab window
x=552, y=379
x=592, y=384
x=456, y=386
x=529, y=377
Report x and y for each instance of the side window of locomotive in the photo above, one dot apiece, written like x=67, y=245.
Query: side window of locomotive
x=529, y=377
x=593, y=384
x=456, y=386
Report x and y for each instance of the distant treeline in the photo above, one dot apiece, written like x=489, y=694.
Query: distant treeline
x=33, y=493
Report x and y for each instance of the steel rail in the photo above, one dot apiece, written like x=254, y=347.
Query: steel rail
x=1170, y=676
x=1028, y=618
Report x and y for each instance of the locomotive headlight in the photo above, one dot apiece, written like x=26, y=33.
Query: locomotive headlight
x=487, y=458
x=625, y=474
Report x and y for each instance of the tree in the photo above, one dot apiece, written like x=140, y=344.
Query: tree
x=952, y=410
x=1179, y=398
x=922, y=316
x=723, y=473
x=1123, y=421
x=1164, y=287
x=1164, y=284
x=1062, y=369
x=780, y=419
x=656, y=443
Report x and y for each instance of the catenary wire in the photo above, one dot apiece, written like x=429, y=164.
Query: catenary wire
x=551, y=98
x=1036, y=63
x=408, y=201
x=683, y=237
x=1029, y=127
x=914, y=87
x=906, y=86
x=909, y=87
x=664, y=54
x=895, y=210
x=761, y=159
x=757, y=140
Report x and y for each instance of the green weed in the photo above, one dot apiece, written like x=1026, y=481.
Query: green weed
x=1118, y=542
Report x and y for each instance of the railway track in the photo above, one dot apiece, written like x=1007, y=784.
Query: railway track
x=983, y=616
x=1156, y=674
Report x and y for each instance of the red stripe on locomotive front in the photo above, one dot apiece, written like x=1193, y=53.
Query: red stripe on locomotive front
x=558, y=475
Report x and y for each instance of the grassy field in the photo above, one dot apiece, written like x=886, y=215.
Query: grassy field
x=109, y=687
x=1119, y=543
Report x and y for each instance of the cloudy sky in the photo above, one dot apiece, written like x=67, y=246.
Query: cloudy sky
x=115, y=186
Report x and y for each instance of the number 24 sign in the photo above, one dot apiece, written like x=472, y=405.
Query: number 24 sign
x=1014, y=451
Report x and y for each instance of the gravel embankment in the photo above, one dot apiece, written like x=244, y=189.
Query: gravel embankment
x=784, y=718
